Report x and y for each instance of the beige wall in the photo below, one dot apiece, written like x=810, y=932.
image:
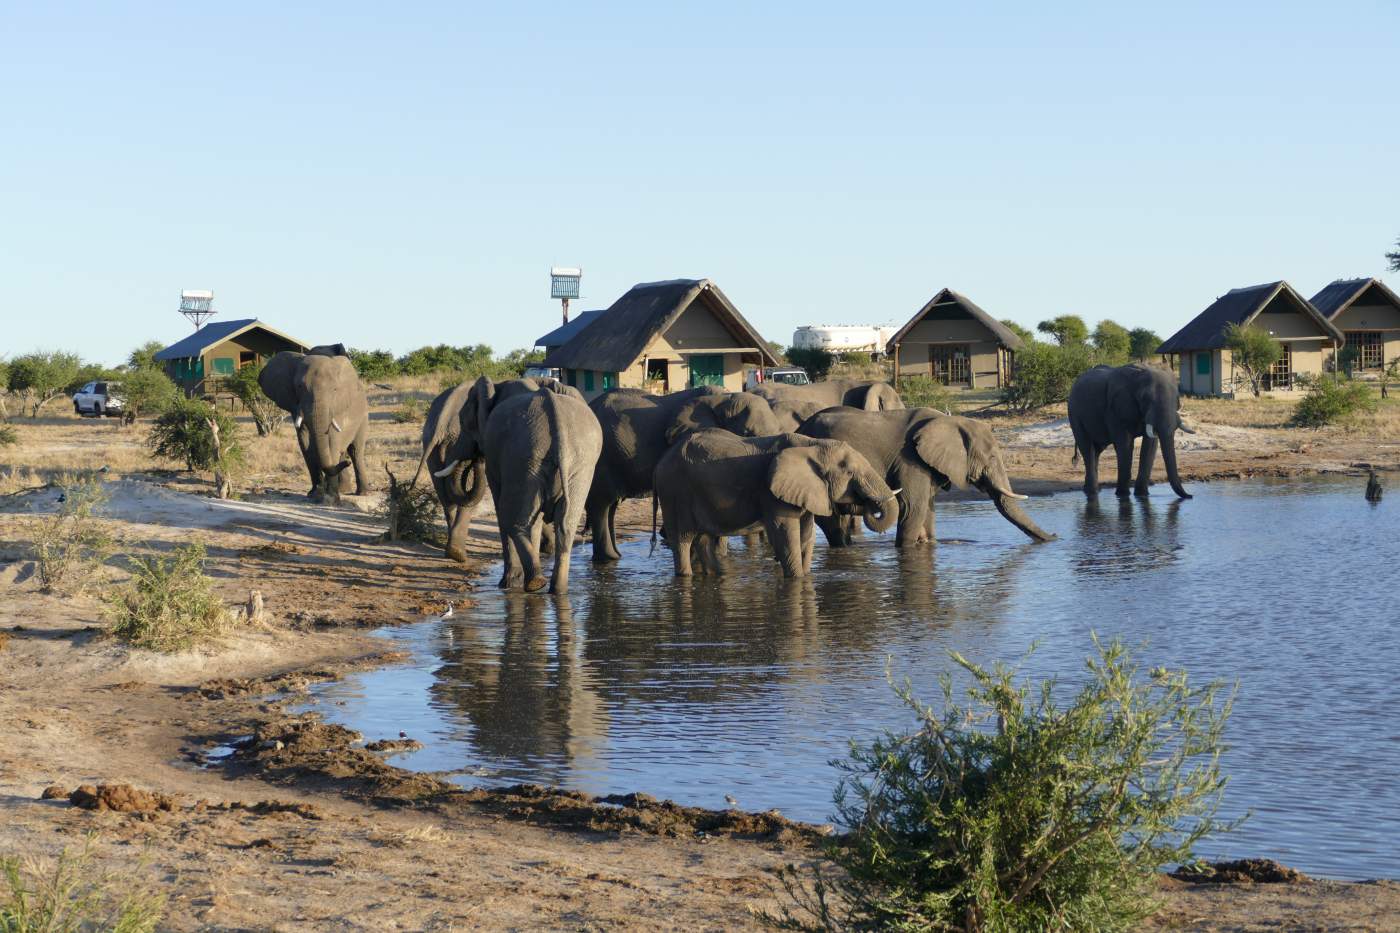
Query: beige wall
x=961, y=330
x=1368, y=317
x=1287, y=322
x=914, y=357
x=696, y=328
x=1209, y=383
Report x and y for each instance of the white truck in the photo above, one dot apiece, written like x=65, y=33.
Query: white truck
x=844, y=338
x=98, y=399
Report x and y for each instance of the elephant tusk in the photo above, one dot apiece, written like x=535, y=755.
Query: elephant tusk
x=1015, y=495
x=447, y=470
x=1184, y=427
x=297, y=421
x=895, y=493
x=1151, y=432
x=335, y=424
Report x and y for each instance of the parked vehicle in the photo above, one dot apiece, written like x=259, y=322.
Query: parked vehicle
x=787, y=375
x=98, y=399
x=543, y=372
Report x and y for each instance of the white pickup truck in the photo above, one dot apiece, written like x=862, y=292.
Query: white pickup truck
x=98, y=399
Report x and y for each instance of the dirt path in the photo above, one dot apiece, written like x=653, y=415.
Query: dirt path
x=328, y=834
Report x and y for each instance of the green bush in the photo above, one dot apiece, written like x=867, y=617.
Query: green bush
x=169, y=604
x=816, y=361
x=182, y=432
x=1329, y=400
x=8, y=436
x=1067, y=329
x=1043, y=373
x=411, y=411
x=72, y=544
x=1112, y=342
x=924, y=392
x=1015, y=813
x=38, y=377
x=1143, y=343
x=72, y=896
x=267, y=417
x=147, y=391
x=144, y=356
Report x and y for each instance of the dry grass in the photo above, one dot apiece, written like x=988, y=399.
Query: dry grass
x=427, y=834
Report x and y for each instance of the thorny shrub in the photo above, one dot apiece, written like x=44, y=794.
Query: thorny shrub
x=924, y=392
x=72, y=544
x=169, y=603
x=411, y=411
x=1012, y=812
x=410, y=512
x=8, y=436
x=69, y=895
x=1329, y=400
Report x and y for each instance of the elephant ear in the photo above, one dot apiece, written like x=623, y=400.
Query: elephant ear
x=278, y=379
x=694, y=415
x=482, y=399
x=943, y=445
x=795, y=477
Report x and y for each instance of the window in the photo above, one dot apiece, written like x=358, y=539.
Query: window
x=950, y=364
x=609, y=380
x=1370, y=349
x=99, y=388
x=1203, y=364
x=571, y=377
x=588, y=380
x=1280, y=375
x=223, y=366
x=657, y=375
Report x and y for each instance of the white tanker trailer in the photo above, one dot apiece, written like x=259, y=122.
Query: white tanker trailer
x=844, y=338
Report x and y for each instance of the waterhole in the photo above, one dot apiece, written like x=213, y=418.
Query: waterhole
x=747, y=686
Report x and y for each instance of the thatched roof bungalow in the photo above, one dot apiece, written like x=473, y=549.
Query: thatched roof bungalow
x=221, y=348
x=1368, y=315
x=954, y=342
x=663, y=336
x=1308, y=339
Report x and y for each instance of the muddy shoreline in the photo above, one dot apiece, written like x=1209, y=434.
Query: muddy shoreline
x=301, y=824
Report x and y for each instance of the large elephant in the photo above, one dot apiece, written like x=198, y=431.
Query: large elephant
x=715, y=483
x=323, y=394
x=867, y=395
x=922, y=450
x=454, y=451
x=639, y=428
x=1117, y=405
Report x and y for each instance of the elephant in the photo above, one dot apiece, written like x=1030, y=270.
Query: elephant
x=1116, y=405
x=321, y=390
x=637, y=430
x=791, y=413
x=922, y=450
x=868, y=395
x=715, y=483
x=540, y=442
x=452, y=454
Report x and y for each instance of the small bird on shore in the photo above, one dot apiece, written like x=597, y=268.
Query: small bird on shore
x=729, y=799
x=447, y=613
x=1374, y=490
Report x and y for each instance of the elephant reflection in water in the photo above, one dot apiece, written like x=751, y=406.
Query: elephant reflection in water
x=529, y=699
x=1127, y=536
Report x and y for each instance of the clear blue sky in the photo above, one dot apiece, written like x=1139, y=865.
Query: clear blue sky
x=394, y=175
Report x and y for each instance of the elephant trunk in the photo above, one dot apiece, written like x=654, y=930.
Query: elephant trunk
x=1011, y=510
x=469, y=482
x=879, y=504
x=1168, y=444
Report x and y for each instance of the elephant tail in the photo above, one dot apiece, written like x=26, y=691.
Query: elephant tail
x=1074, y=459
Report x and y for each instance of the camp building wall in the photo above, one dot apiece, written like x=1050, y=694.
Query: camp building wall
x=982, y=346
x=697, y=328
x=1373, y=314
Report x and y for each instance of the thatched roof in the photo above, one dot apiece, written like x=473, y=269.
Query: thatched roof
x=215, y=333
x=1343, y=293
x=566, y=332
x=1005, y=336
x=620, y=335
x=1206, y=331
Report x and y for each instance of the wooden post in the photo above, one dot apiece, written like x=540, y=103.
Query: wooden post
x=222, y=487
x=896, y=366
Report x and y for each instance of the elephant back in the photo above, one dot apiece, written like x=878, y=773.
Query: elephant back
x=278, y=379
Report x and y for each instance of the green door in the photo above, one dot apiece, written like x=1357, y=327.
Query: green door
x=707, y=369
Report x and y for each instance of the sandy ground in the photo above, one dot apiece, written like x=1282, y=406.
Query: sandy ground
x=302, y=827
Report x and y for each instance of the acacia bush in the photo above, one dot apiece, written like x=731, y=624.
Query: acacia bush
x=147, y=391
x=1043, y=373
x=8, y=436
x=465, y=362
x=169, y=604
x=924, y=392
x=204, y=437
x=72, y=544
x=1012, y=812
x=267, y=417
x=1330, y=400
x=412, y=410
x=36, y=378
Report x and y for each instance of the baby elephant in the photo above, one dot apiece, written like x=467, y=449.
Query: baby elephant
x=715, y=483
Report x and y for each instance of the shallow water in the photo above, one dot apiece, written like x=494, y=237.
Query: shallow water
x=695, y=690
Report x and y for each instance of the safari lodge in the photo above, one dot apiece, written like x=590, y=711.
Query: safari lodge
x=955, y=343
x=1368, y=315
x=662, y=337
x=219, y=349
x=1310, y=341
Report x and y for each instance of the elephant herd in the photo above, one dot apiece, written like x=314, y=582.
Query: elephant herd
x=780, y=460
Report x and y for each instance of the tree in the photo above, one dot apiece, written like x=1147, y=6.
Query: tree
x=1112, y=342
x=41, y=376
x=816, y=361
x=267, y=417
x=144, y=356
x=1253, y=351
x=1067, y=329
x=1042, y=374
x=374, y=364
x=88, y=372
x=1394, y=258
x=778, y=350
x=1026, y=336
x=147, y=390
x=1142, y=343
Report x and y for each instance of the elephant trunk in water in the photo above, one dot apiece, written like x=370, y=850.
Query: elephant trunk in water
x=997, y=485
x=1168, y=444
x=879, y=507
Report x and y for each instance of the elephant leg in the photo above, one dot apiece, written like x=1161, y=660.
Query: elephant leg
x=525, y=538
x=1145, y=458
x=711, y=549
x=600, y=521
x=1090, y=452
x=854, y=527
x=458, y=521
x=548, y=536
x=357, y=461
x=1123, y=447
x=785, y=535
x=833, y=529
x=680, y=552
x=510, y=562
x=915, y=524
x=612, y=525
x=808, y=536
